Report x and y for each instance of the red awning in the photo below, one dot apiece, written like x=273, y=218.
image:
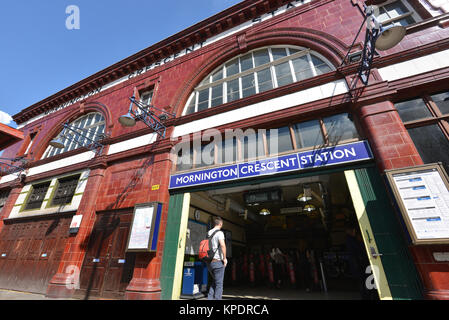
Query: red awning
x=9, y=136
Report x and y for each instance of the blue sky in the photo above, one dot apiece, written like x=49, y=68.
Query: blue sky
x=39, y=56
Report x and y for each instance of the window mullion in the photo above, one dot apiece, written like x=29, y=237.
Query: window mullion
x=292, y=70
x=240, y=79
x=311, y=65
x=293, y=137
x=273, y=76
x=402, y=16
x=240, y=88
x=324, y=131
x=196, y=101
x=433, y=108
x=209, y=101
x=256, y=82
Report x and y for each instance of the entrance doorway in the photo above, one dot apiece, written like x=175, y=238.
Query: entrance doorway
x=286, y=239
x=107, y=268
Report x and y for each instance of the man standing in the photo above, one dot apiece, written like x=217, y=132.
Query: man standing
x=218, y=264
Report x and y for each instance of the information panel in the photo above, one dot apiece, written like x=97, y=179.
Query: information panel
x=145, y=227
x=422, y=194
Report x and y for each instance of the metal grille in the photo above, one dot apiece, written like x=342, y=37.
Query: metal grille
x=66, y=190
x=37, y=196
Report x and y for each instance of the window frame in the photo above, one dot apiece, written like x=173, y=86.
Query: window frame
x=271, y=65
x=30, y=193
x=149, y=91
x=411, y=12
x=240, y=156
x=32, y=136
x=51, y=151
x=56, y=186
x=437, y=117
x=442, y=120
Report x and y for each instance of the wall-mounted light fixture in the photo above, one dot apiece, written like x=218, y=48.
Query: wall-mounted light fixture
x=306, y=194
x=309, y=208
x=92, y=144
x=147, y=114
x=376, y=37
x=10, y=168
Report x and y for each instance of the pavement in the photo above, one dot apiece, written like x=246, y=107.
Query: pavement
x=18, y=295
x=236, y=293
x=262, y=293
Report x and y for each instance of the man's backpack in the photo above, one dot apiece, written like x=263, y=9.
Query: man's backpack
x=206, y=254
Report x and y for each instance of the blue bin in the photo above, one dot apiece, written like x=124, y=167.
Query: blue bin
x=188, y=280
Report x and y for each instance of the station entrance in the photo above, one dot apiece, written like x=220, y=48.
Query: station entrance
x=288, y=239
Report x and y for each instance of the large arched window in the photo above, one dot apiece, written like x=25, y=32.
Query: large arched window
x=254, y=72
x=93, y=125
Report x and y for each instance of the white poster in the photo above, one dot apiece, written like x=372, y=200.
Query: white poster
x=76, y=221
x=426, y=200
x=141, y=228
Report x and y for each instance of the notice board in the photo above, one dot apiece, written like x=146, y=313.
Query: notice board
x=422, y=194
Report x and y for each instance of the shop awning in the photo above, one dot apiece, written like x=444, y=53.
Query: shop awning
x=9, y=136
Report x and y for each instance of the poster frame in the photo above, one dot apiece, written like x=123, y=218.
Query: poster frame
x=151, y=245
x=405, y=217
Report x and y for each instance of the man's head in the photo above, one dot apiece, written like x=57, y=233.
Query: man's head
x=218, y=222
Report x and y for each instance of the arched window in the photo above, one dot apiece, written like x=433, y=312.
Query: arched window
x=93, y=125
x=254, y=72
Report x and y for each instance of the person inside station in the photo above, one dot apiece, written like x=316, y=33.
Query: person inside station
x=303, y=268
x=279, y=266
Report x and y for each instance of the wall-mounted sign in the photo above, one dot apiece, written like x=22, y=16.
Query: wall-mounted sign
x=75, y=224
x=422, y=194
x=345, y=153
x=144, y=232
x=441, y=256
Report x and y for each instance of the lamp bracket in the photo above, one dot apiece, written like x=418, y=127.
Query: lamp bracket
x=93, y=145
x=150, y=115
x=10, y=168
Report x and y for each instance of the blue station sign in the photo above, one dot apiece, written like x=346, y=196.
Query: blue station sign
x=345, y=153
